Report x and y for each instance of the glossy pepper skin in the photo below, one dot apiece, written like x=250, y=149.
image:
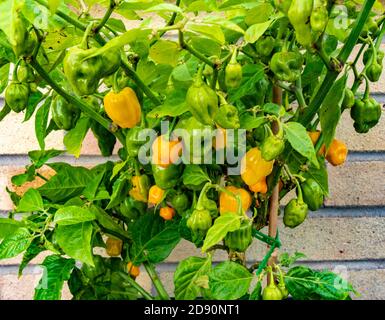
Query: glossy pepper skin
x=180, y=202
x=240, y=239
x=199, y=222
x=320, y=16
x=265, y=46
x=25, y=73
x=132, y=270
x=259, y=187
x=140, y=188
x=271, y=291
x=167, y=178
x=273, y=145
x=312, y=194
x=228, y=203
x=23, y=42
x=374, y=71
x=123, y=108
x=287, y=66
x=349, y=99
x=167, y=213
x=254, y=168
x=369, y=54
x=233, y=75
x=202, y=101
x=228, y=117
x=17, y=95
x=155, y=195
x=114, y=247
x=295, y=211
x=64, y=114
x=82, y=74
x=299, y=15
x=366, y=114
x=337, y=153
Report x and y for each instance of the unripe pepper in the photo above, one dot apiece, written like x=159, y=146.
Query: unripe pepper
x=287, y=66
x=200, y=222
x=25, y=73
x=123, y=108
x=271, y=291
x=229, y=203
x=167, y=178
x=373, y=62
x=374, y=71
x=259, y=187
x=295, y=211
x=283, y=5
x=64, y=114
x=165, y=151
x=155, y=195
x=140, y=187
x=17, y=95
x=233, y=73
x=299, y=15
x=114, y=247
x=337, y=153
x=273, y=145
x=349, y=99
x=202, y=101
x=23, y=42
x=254, y=168
x=366, y=114
x=319, y=16
x=227, y=117
x=167, y=213
x=369, y=54
x=180, y=202
x=135, y=139
x=312, y=194
x=131, y=208
x=132, y=270
x=240, y=239
x=265, y=46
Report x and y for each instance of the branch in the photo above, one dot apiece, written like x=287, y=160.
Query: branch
x=136, y=285
x=156, y=281
x=107, y=16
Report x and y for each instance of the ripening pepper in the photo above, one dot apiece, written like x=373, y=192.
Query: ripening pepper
x=155, y=195
x=233, y=73
x=228, y=203
x=319, y=16
x=202, y=101
x=265, y=46
x=123, y=108
x=228, y=117
x=180, y=202
x=259, y=187
x=140, y=187
x=312, y=194
x=349, y=99
x=337, y=153
x=295, y=211
x=64, y=114
x=167, y=213
x=165, y=152
x=299, y=15
x=82, y=73
x=17, y=95
x=114, y=247
x=254, y=168
x=366, y=114
x=200, y=222
x=167, y=178
x=273, y=145
x=287, y=66
x=132, y=270
x=240, y=239
x=282, y=5
x=271, y=291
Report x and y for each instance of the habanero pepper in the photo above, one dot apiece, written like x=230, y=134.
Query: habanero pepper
x=295, y=211
x=320, y=16
x=300, y=15
x=209, y=205
x=155, y=195
x=260, y=187
x=233, y=73
x=287, y=66
x=17, y=95
x=200, y=222
x=228, y=117
x=132, y=270
x=337, y=153
x=167, y=178
x=202, y=101
x=273, y=145
x=64, y=114
x=228, y=202
x=349, y=99
x=282, y=5
x=136, y=137
x=123, y=108
x=114, y=247
x=165, y=152
x=254, y=168
x=140, y=188
x=167, y=213
x=23, y=42
x=271, y=291
x=240, y=239
x=265, y=46
x=180, y=202
x=366, y=114
x=312, y=194
x=131, y=208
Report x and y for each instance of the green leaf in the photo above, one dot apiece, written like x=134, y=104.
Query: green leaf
x=164, y=7
x=75, y=240
x=73, y=140
x=187, y=275
x=53, y=5
x=41, y=121
x=91, y=190
x=249, y=122
x=72, y=215
x=4, y=75
x=225, y=223
x=39, y=157
x=15, y=243
x=194, y=176
x=224, y=23
x=56, y=270
x=300, y=141
x=153, y=239
x=173, y=106
x=260, y=13
x=66, y=184
x=165, y=52
x=8, y=227
x=320, y=175
x=107, y=222
x=34, y=99
x=31, y=201
x=119, y=191
x=4, y=112
x=330, y=112
x=254, y=32
x=257, y=292
x=211, y=31
x=229, y=281
x=286, y=260
x=32, y=252
x=117, y=168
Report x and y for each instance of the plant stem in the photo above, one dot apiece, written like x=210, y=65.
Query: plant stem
x=76, y=101
x=107, y=16
x=136, y=285
x=194, y=52
x=156, y=281
x=332, y=75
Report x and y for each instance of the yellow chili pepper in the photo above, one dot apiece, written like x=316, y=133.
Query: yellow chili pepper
x=140, y=187
x=228, y=203
x=134, y=271
x=114, y=247
x=167, y=213
x=254, y=168
x=259, y=187
x=155, y=195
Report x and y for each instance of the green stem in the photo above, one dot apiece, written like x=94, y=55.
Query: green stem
x=137, y=286
x=332, y=75
x=299, y=95
x=88, y=110
x=107, y=16
x=194, y=52
x=156, y=281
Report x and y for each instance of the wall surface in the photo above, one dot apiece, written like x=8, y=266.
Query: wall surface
x=347, y=235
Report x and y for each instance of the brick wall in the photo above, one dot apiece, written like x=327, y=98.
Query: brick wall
x=346, y=235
